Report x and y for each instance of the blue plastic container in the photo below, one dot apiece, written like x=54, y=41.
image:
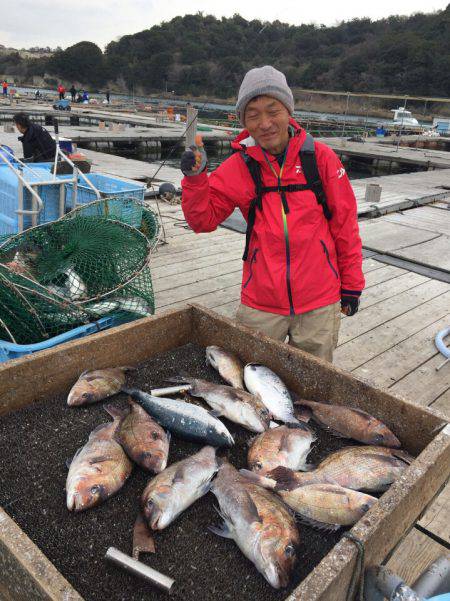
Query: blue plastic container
x=9, y=186
x=107, y=186
x=9, y=350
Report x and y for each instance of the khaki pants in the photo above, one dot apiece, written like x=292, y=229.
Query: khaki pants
x=315, y=332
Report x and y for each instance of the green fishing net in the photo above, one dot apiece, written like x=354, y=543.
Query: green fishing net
x=85, y=266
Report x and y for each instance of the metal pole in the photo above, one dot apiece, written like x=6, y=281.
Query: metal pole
x=137, y=568
x=345, y=114
x=20, y=205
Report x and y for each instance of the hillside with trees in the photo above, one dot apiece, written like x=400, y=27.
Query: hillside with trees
x=202, y=55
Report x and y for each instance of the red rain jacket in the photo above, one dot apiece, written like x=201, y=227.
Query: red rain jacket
x=313, y=257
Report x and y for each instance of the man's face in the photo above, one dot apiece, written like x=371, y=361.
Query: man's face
x=267, y=121
x=21, y=128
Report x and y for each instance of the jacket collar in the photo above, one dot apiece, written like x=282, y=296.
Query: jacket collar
x=245, y=142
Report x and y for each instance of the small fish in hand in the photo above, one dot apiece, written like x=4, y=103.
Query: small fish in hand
x=96, y=385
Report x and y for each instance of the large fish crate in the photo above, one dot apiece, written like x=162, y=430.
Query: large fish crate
x=26, y=573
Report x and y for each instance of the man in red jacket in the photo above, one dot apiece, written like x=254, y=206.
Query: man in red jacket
x=303, y=260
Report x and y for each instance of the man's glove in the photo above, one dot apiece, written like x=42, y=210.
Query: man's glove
x=194, y=160
x=349, y=302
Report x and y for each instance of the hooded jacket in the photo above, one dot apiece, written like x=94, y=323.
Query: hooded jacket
x=297, y=261
x=38, y=145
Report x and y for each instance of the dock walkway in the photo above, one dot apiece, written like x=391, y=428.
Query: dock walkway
x=388, y=343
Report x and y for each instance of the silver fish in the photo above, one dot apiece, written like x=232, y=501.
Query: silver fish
x=185, y=419
x=258, y=522
x=235, y=404
x=103, y=307
x=169, y=493
x=229, y=366
x=135, y=305
x=262, y=381
x=75, y=285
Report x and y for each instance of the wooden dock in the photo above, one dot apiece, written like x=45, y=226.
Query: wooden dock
x=389, y=342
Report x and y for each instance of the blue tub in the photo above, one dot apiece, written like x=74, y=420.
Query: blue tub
x=9, y=350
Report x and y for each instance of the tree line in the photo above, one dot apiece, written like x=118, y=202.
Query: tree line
x=203, y=55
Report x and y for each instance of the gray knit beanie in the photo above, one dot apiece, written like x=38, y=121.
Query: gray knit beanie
x=265, y=81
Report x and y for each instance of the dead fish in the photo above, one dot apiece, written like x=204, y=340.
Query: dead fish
x=348, y=423
x=103, y=307
x=259, y=523
x=235, y=404
x=94, y=386
x=98, y=470
x=169, y=493
x=185, y=419
x=262, y=381
x=76, y=288
x=287, y=445
x=372, y=469
x=141, y=437
x=229, y=366
x=135, y=305
x=323, y=506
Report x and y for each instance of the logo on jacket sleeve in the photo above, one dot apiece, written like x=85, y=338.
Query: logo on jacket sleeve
x=340, y=172
x=298, y=169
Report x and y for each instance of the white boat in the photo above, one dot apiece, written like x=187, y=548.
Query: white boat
x=403, y=117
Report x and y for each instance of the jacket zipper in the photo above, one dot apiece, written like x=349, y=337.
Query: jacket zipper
x=252, y=260
x=288, y=251
x=325, y=250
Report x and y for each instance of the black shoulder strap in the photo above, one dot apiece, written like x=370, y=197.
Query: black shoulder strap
x=311, y=172
x=255, y=172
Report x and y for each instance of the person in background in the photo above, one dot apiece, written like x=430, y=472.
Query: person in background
x=107, y=96
x=85, y=97
x=303, y=256
x=37, y=94
x=73, y=93
x=5, y=89
x=61, y=91
x=38, y=145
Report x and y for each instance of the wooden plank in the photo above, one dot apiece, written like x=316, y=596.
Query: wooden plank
x=388, y=272
x=228, y=309
x=386, y=290
x=413, y=555
x=191, y=264
x=401, y=358
x=442, y=403
x=436, y=518
x=195, y=277
x=383, y=236
x=192, y=253
x=424, y=384
x=359, y=351
x=371, y=316
x=189, y=291
x=433, y=252
x=212, y=299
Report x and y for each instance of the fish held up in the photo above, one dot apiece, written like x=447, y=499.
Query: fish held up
x=94, y=386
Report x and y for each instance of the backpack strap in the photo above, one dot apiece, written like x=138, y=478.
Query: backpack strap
x=255, y=172
x=311, y=172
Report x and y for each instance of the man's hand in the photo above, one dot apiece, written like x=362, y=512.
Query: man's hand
x=194, y=160
x=349, y=304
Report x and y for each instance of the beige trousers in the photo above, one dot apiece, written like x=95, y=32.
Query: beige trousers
x=315, y=332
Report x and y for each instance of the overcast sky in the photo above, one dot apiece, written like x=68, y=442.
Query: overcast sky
x=30, y=23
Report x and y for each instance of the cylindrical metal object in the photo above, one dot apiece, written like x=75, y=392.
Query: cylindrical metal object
x=436, y=578
x=381, y=583
x=139, y=569
x=162, y=392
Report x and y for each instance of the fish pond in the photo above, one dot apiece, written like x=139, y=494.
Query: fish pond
x=37, y=441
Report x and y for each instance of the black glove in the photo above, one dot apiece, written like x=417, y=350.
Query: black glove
x=350, y=302
x=193, y=161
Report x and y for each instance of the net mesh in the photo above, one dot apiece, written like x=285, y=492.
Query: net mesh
x=73, y=271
